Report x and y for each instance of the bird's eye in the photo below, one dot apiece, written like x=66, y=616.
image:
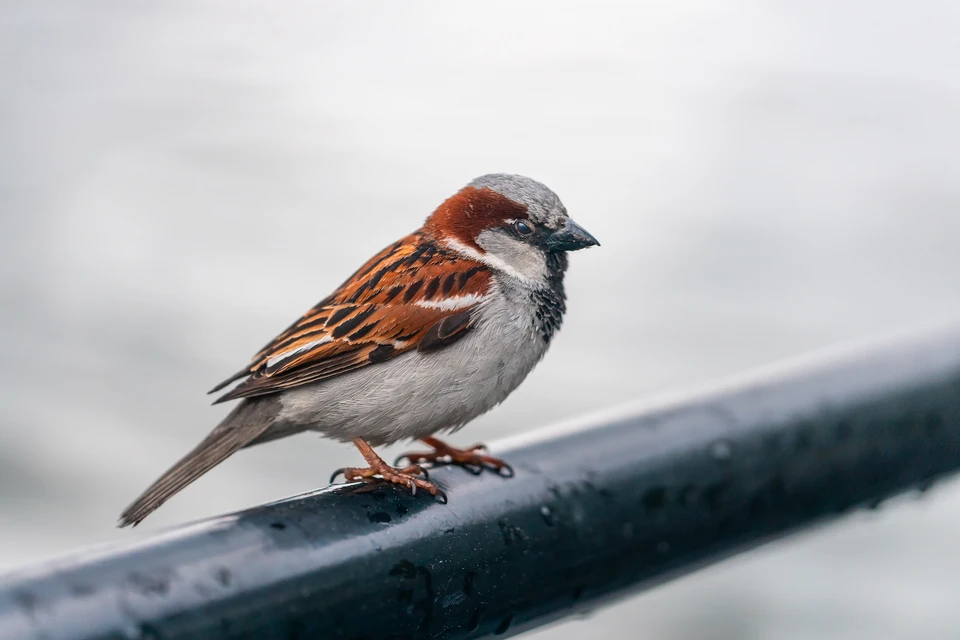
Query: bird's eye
x=522, y=228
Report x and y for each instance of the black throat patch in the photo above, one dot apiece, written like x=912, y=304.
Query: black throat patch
x=550, y=300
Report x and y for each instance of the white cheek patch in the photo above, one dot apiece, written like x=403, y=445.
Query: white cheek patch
x=492, y=260
x=523, y=261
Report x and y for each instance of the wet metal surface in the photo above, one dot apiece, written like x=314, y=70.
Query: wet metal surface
x=618, y=504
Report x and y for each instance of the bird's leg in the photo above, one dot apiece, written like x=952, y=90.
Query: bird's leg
x=406, y=476
x=471, y=458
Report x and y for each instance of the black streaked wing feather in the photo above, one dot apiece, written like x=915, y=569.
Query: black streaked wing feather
x=372, y=317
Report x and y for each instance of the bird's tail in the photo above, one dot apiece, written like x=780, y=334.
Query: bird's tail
x=246, y=422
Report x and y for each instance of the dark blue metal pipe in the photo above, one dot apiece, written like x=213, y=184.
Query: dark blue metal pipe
x=596, y=510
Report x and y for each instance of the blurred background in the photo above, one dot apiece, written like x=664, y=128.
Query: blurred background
x=180, y=180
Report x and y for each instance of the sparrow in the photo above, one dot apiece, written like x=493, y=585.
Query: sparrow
x=433, y=331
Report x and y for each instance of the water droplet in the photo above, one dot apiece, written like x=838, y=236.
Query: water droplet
x=663, y=547
x=721, y=450
x=548, y=516
x=627, y=530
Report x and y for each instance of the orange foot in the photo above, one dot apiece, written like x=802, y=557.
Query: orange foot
x=470, y=459
x=406, y=476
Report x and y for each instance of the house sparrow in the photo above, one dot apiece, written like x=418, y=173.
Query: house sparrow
x=433, y=331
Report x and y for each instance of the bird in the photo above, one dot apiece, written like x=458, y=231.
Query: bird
x=434, y=330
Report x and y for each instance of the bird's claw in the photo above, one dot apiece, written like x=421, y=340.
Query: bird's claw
x=406, y=476
x=470, y=459
x=505, y=471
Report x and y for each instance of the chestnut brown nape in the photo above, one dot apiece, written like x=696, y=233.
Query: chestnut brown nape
x=471, y=210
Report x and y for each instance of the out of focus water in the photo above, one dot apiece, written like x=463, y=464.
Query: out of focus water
x=179, y=180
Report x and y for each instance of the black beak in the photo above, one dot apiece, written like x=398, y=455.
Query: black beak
x=570, y=238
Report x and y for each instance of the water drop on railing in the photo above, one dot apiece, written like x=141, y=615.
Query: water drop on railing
x=721, y=450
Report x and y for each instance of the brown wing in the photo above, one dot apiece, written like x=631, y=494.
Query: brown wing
x=411, y=295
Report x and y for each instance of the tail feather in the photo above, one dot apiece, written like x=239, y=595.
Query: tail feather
x=245, y=423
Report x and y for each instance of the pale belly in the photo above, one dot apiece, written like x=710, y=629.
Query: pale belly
x=418, y=394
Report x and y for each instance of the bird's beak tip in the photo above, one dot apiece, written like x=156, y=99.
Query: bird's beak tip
x=572, y=237
x=581, y=236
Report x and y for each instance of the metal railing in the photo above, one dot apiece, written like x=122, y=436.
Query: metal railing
x=597, y=509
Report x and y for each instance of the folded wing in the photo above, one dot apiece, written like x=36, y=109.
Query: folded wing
x=412, y=295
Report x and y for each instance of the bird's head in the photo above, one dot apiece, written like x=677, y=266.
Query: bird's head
x=510, y=223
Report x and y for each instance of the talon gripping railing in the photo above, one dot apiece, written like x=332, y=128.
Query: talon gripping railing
x=610, y=505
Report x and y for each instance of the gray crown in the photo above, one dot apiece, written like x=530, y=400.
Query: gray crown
x=543, y=205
